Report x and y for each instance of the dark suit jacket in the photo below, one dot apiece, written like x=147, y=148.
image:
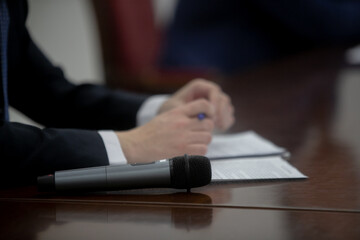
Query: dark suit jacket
x=40, y=90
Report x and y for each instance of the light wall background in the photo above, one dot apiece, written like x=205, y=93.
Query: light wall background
x=67, y=32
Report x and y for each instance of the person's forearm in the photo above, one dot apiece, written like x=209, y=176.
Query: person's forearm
x=28, y=152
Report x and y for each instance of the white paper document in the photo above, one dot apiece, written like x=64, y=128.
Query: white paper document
x=255, y=168
x=241, y=145
x=248, y=156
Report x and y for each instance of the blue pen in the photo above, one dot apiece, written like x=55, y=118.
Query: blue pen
x=201, y=116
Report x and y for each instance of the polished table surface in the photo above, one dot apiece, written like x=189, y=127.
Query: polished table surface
x=21, y=220
x=307, y=104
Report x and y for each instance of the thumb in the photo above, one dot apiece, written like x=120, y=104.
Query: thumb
x=192, y=109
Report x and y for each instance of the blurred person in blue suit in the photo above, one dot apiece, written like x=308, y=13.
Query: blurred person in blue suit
x=230, y=35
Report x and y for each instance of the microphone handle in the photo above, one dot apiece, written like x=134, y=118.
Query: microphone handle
x=115, y=177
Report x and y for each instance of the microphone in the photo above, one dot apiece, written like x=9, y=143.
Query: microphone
x=182, y=172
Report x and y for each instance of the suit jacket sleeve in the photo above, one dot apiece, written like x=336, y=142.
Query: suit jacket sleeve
x=40, y=90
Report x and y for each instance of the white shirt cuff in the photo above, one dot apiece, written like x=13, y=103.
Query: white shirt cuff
x=113, y=147
x=147, y=111
x=150, y=108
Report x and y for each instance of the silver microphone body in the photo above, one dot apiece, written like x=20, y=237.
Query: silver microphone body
x=114, y=177
x=182, y=172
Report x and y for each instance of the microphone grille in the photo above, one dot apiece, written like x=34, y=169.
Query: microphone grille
x=196, y=173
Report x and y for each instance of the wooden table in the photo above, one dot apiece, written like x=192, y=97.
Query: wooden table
x=308, y=104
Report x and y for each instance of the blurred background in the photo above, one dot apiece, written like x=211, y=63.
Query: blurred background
x=156, y=46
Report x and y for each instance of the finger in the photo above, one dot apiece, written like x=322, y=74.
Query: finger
x=215, y=99
x=202, y=125
x=205, y=89
x=221, y=102
x=231, y=118
x=226, y=114
x=192, y=109
x=200, y=138
x=214, y=95
x=197, y=149
x=227, y=123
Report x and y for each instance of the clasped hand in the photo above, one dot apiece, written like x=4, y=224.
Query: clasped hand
x=176, y=129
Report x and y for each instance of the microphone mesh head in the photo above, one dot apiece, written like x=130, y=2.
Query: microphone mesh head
x=196, y=174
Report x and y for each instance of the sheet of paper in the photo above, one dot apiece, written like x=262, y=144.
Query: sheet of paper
x=241, y=144
x=261, y=168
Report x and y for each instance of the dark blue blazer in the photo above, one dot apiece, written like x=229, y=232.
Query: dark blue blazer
x=234, y=35
x=70, y=113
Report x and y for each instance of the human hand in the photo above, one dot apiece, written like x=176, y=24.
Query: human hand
x=203, y=89
x=172, y=133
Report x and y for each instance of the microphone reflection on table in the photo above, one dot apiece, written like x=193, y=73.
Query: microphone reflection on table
x=28, y=219
x=183, y=172
x=181, y=218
